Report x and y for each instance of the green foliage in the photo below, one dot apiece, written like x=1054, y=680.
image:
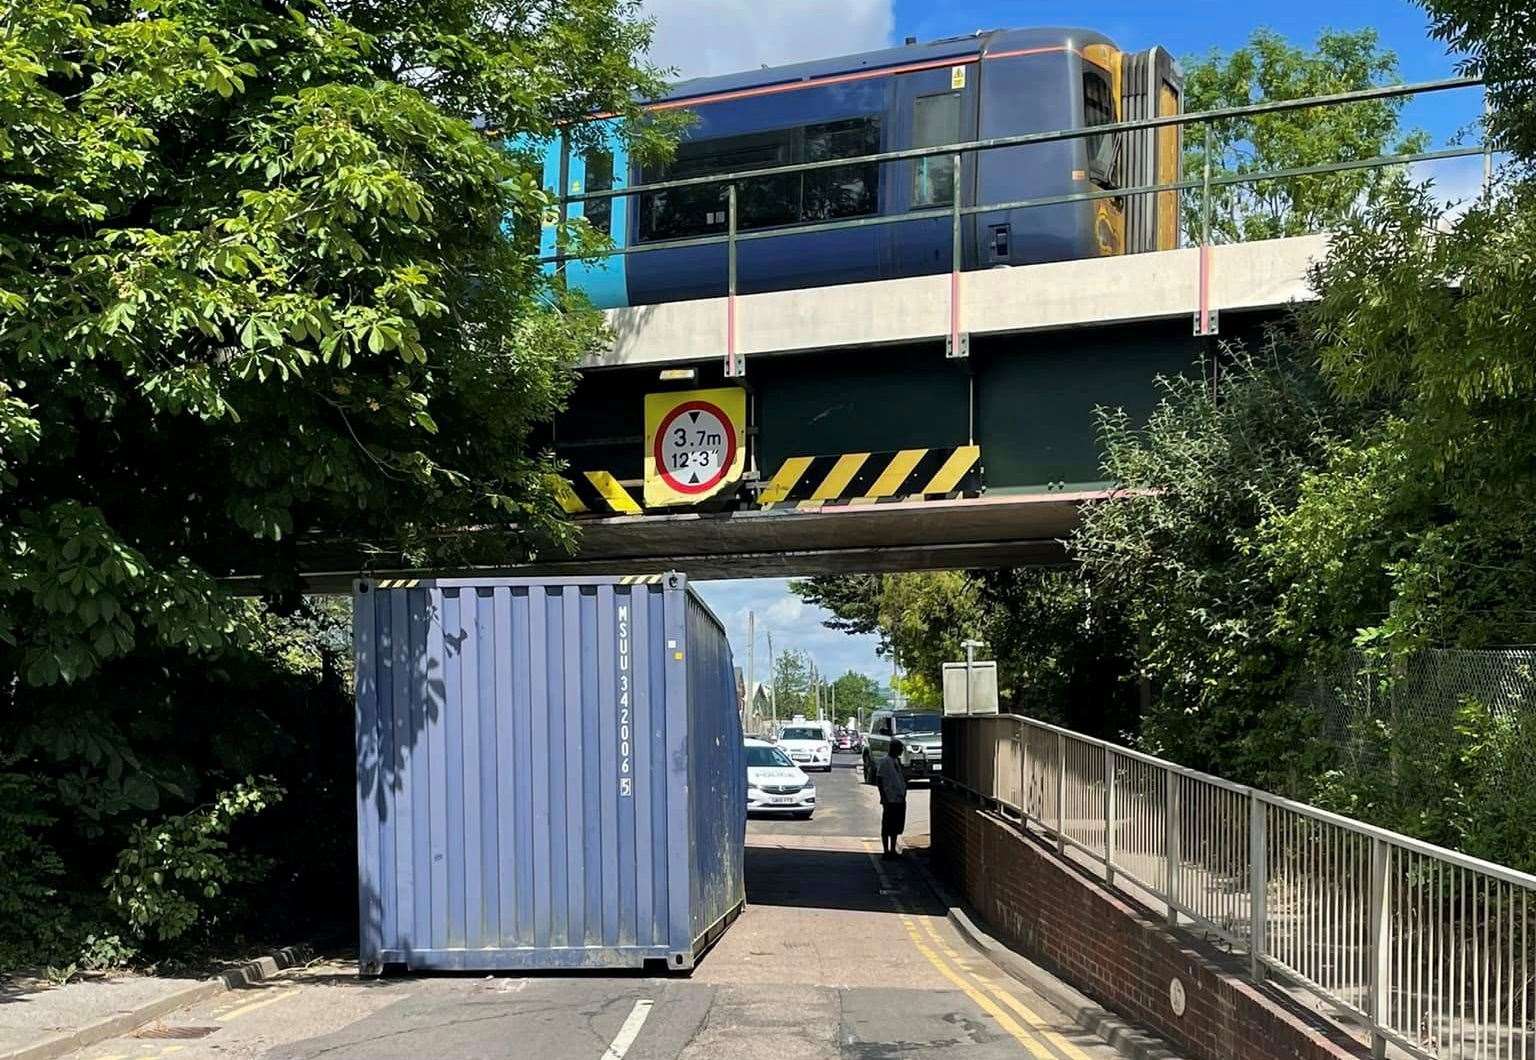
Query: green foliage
x=29, y=869
x=1269, y=68
x=1177, y=557
x=256, y=274
x=1061, y=657
x=1464, y=786
x=173, y=870
x=921, y=619
x=1494, y=42
x=1418, y=532
x=266, y=284
x=1063, y=653
x=858, y=695
x=97, y=787
x=792, y=684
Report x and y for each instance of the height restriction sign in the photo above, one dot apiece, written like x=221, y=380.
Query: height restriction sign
x=694, y=444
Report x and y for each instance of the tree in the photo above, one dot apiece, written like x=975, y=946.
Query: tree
x=1269, y=68
x=1418, y=532
x=920, y=618
x=1063, y=651
x=858, y=695
x=1177, y=557
x=792, y=684
x=1494, y=42
x=265, y=280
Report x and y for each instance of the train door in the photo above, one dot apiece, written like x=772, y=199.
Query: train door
x=600, y=166
x=1102, y=101
x=575, y=169
x=932, y=107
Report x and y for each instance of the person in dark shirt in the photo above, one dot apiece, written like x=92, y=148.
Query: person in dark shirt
x=892, y=783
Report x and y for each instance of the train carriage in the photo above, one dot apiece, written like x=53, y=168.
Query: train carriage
x=987, y=85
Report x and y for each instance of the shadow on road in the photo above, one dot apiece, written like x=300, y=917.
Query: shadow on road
x=828, y=879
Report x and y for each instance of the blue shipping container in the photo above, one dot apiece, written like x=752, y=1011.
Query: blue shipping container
x=550, y=774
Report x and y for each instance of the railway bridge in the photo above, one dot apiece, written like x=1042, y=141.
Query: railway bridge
x=860, y=439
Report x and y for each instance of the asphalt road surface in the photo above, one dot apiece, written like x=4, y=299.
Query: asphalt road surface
x=838, y=955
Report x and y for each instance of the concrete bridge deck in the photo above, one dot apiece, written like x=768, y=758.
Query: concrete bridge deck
x=1066, y=294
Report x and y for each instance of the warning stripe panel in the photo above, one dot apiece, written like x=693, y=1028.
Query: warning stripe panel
x=809, y=482
x=948, y=477
x=786, y=478
x=614, y=495
x=595, y=491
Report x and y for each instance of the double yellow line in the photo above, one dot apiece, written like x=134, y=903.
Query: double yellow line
x=1030, y=1030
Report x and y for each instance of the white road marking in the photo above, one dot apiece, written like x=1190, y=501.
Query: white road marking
x=630, y=1031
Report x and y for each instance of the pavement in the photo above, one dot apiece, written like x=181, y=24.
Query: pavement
x=839, y=954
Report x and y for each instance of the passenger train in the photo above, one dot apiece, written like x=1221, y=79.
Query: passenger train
x=991, y=84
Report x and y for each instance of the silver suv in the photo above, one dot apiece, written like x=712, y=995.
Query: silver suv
x=922, y=742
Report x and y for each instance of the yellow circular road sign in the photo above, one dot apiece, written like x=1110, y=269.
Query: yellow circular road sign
x=695, y=444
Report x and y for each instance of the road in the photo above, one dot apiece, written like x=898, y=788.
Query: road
x=838, y=955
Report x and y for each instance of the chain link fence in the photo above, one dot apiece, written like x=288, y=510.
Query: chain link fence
x=1398, y=716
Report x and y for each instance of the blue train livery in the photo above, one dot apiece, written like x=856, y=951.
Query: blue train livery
x=993, y=84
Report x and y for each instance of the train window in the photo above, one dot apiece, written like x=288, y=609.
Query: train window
x=681, y=212
x=1099, y=109
x=599, y=212
x=935, y=121
x=845, y=191
x=765, y=202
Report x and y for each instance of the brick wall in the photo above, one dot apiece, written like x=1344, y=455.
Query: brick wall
x=1114, y=950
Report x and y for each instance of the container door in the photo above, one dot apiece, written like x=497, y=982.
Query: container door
x=932, y=107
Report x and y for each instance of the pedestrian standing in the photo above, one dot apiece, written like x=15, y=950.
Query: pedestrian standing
x=892, y=783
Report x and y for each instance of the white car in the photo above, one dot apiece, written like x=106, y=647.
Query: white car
x=775, y=784
x=807, y=745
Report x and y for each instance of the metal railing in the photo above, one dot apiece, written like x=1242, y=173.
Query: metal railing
x=1429, y=948
x=1205, y=184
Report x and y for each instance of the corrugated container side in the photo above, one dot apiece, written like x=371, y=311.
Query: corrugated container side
x=530, y=773
x=717, y=790
x=504, y=820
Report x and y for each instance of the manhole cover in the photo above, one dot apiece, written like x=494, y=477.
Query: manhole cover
x=162, y=1031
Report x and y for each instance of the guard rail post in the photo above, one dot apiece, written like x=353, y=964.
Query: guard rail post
x=733, y=368
x=1380, y=971
x=1061, y=794
x=1173, y=843
x=1258, y=884
x=955, y=346
x=1109, y=816
x=1021, y=741
x=1205, y=323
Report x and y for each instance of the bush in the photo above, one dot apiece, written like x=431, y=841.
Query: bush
x=1467, y=789
x=172, y=873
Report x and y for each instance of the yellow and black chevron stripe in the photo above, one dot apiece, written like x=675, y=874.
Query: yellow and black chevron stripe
x=867, y=478
x=594, y=491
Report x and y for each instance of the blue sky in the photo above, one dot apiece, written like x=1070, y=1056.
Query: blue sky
x=700, y=37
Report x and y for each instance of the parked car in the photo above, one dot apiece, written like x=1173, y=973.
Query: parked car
x=921, y=737
x=775, y=784
x=808, y=745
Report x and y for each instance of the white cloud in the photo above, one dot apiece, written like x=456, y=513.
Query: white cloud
x=793, y=623
x=785, y=611
x=705, y=37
